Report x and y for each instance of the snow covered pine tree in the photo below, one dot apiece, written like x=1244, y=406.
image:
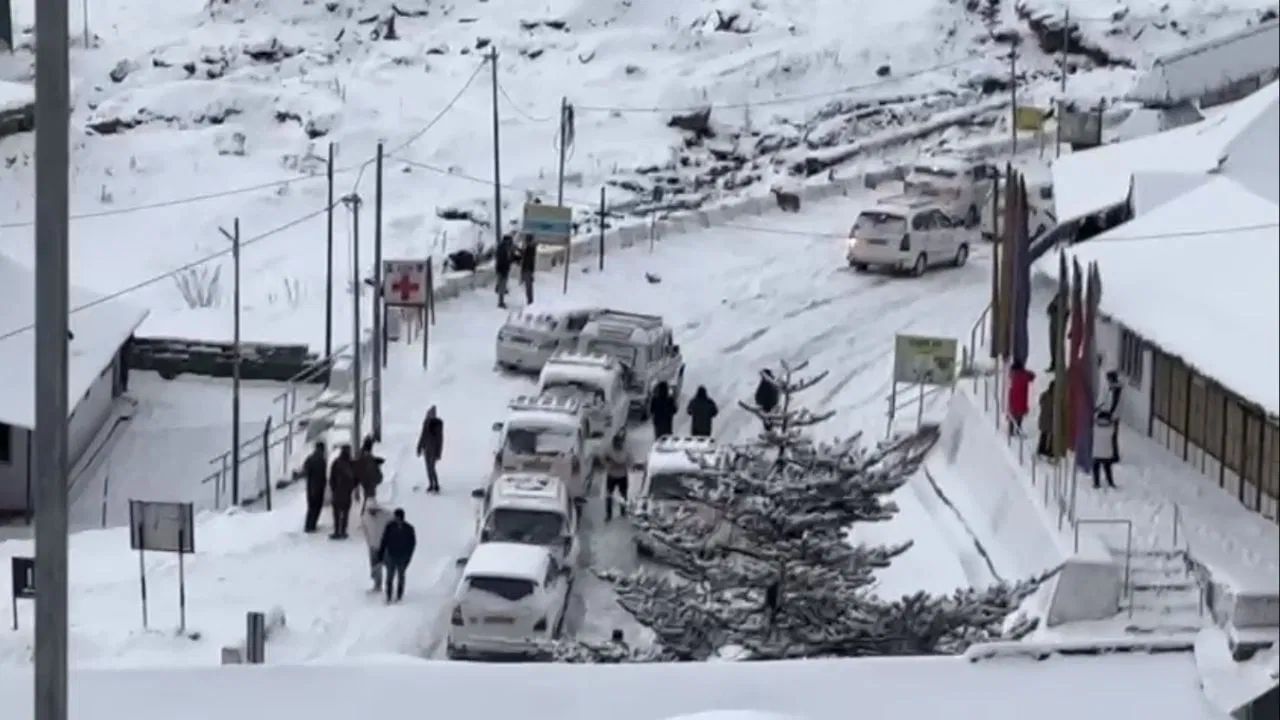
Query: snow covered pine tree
x=756, y=557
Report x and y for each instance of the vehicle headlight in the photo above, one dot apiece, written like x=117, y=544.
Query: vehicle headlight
x=853, y=243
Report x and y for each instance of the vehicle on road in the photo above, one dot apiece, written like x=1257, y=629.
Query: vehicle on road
x=643, y=345
x=531, y=335
x=1040, y=217
x=674, y=464
x=529, y=508
x=509, y=603
x=909, y=234
x=962, y=185
x=545, y=435
x=595, y=380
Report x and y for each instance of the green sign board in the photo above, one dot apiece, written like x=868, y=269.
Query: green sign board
x=924, y=360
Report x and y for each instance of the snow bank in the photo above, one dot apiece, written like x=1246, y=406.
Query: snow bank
x=15, y=96
x=974, y=467
x=1060, y=688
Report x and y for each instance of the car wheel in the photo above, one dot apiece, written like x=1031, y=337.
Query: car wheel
x=962, y=255
x=922, y=264
x=859, y=267
x=972, y=218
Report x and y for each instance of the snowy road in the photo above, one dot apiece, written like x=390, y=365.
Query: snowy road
x=738, y=299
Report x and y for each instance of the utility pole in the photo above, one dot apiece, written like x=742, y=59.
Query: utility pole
x=1062, y=91
x=379, y=354
x=234, y=237
x=564, y=121
x=85, y=13
x=1013, y=85
x=52, y=115
x=602, y=216
x=353, y=203
x=497, y=164
x=328, y=285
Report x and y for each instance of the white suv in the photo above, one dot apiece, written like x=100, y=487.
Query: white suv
x=673, y=464
x=595, y=381
x=531, y=335
x=643, y=345
x=529, y=508
x=545, y=435
x=510, y=602
x=911, y=234
x=962, y=185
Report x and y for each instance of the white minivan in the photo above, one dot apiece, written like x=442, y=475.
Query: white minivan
x=595, y=380
x=510, y=603
x=530, y=508
x=674, y=464
x=531, y=335
x=545, y=435
x=907, y=234
x=961, y=184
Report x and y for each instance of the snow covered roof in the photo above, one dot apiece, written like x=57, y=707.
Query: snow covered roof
x=15, y=96
x=597, y=369
x=1205, y=67
x=1209, y=297
x=504, y=559
x=1149, y=190
x=98, y=332
x=534, y=488
x=1234, y=138
x=672, y=454
x=544, y=315
x=1137, y=685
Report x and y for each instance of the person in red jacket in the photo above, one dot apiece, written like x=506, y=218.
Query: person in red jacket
x=1020, y=380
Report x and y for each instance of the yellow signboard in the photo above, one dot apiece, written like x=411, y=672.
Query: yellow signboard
x=1029, y=118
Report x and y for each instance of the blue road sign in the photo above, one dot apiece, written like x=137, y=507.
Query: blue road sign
x=548, y=221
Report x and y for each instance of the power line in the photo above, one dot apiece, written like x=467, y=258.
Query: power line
x=168, y=274
x=788, y=99
x=520, y=111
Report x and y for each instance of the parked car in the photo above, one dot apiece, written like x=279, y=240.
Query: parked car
x=674, y=464
x=643, y=345
x=595, y=381
x=545, y=435
x=510, y=602
x=960, y=184
x=908, y=234
x=529, y=508
x=531, y=335
x=1040, y=217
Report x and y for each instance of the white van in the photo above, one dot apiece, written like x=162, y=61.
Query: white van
x=533, y=334
x=545, y=435
x=673, y=463
x=962, y=185
x=909, y=234
x=530, y=508
x=510, y=603
x=645, y=347
x=595, y=381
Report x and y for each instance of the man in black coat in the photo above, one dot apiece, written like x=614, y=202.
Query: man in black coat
x=702, y=410
x=528, y=264
x=502, y=256
x=368, y=471
x=767, y=392
x=342, y=484
x=398, y=543
x=431, y=447
x=1110, y=409
x=315, y=472
x=662, y=410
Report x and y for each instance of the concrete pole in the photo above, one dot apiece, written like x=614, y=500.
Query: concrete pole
x=379, y=357
x=52, y=115
x=357, y=388
x=328, y=285
x=234, y=237
x=497, y=163
x=564, y=115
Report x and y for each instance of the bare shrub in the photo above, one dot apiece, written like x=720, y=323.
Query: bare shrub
x=200, y=285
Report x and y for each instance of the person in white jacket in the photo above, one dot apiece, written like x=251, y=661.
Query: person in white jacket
x=1103, y=448
x=373, y=521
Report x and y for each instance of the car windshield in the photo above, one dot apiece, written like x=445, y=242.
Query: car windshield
x=512, y=589
x=539, y=440
x=879, y=225
x=575, y=389
x=622, y=351
x=674, y=486
x=531, y=527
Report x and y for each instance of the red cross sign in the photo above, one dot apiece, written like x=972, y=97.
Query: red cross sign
x=405, y=287
x=405, y=282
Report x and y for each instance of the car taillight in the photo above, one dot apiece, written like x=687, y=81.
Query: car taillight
x=541, y=625
x=456, y=618
x=905, y=245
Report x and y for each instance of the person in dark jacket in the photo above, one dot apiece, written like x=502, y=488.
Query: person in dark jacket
x=662, y=410
x=398, y=543
x=342, y=485
x=702, y=409
x=431, y=447
x=528, y=264
x=502, y=256
x=368, y=471
x=1044, y=424
x=317, y=476
x=767, y=391
x=1110, y=409
x=1055, y=330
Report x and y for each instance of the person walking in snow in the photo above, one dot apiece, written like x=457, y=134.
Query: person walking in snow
x=373, y=521
x=398, y=543
x=1103, y=458
x=1055, y=330
x=1020, y=379
x=662, y=410
x=502, y=256
x=767, y=391
x=528, y=264
x=317, y=477
x=431, y=447
x=342, y=486
x=1044, y=448
x=617, y=465
x=368, y=470
x=702, y=410
x=1110, y=407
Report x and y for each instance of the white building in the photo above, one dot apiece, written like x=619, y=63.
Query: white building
x=95, y=375
x=1213, y=72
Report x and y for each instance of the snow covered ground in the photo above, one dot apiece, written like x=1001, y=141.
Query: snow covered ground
x=738, y=299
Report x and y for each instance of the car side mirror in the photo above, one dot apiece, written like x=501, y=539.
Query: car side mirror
x=485, y=535
x=675, y=349
x=568, y=543
x=478, y=493
x=460, y=561
x=497, y=427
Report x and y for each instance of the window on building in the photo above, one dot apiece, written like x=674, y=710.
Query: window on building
x=1271, y=482
x=1160, y=388
x=6, y=444
x=1178, y=379
x=1131, y=347
x=1196, y=411
x=1233, y=449
x=1252, y=447
x=1214, y=420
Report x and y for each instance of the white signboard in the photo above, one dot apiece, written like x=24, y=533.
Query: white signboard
x=924, y=360
x=404, y=282
x=161, y=526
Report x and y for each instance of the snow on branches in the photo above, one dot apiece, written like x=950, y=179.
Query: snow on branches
x=753, y=550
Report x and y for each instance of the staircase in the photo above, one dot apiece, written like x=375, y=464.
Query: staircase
x=1164, y=597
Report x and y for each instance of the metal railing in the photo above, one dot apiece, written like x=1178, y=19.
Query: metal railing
x=1128, y=548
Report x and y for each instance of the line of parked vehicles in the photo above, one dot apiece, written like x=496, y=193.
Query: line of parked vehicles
x=597, y=369
x=943, y=205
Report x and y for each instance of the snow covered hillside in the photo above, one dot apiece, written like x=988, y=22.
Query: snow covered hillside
x=235, y=102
